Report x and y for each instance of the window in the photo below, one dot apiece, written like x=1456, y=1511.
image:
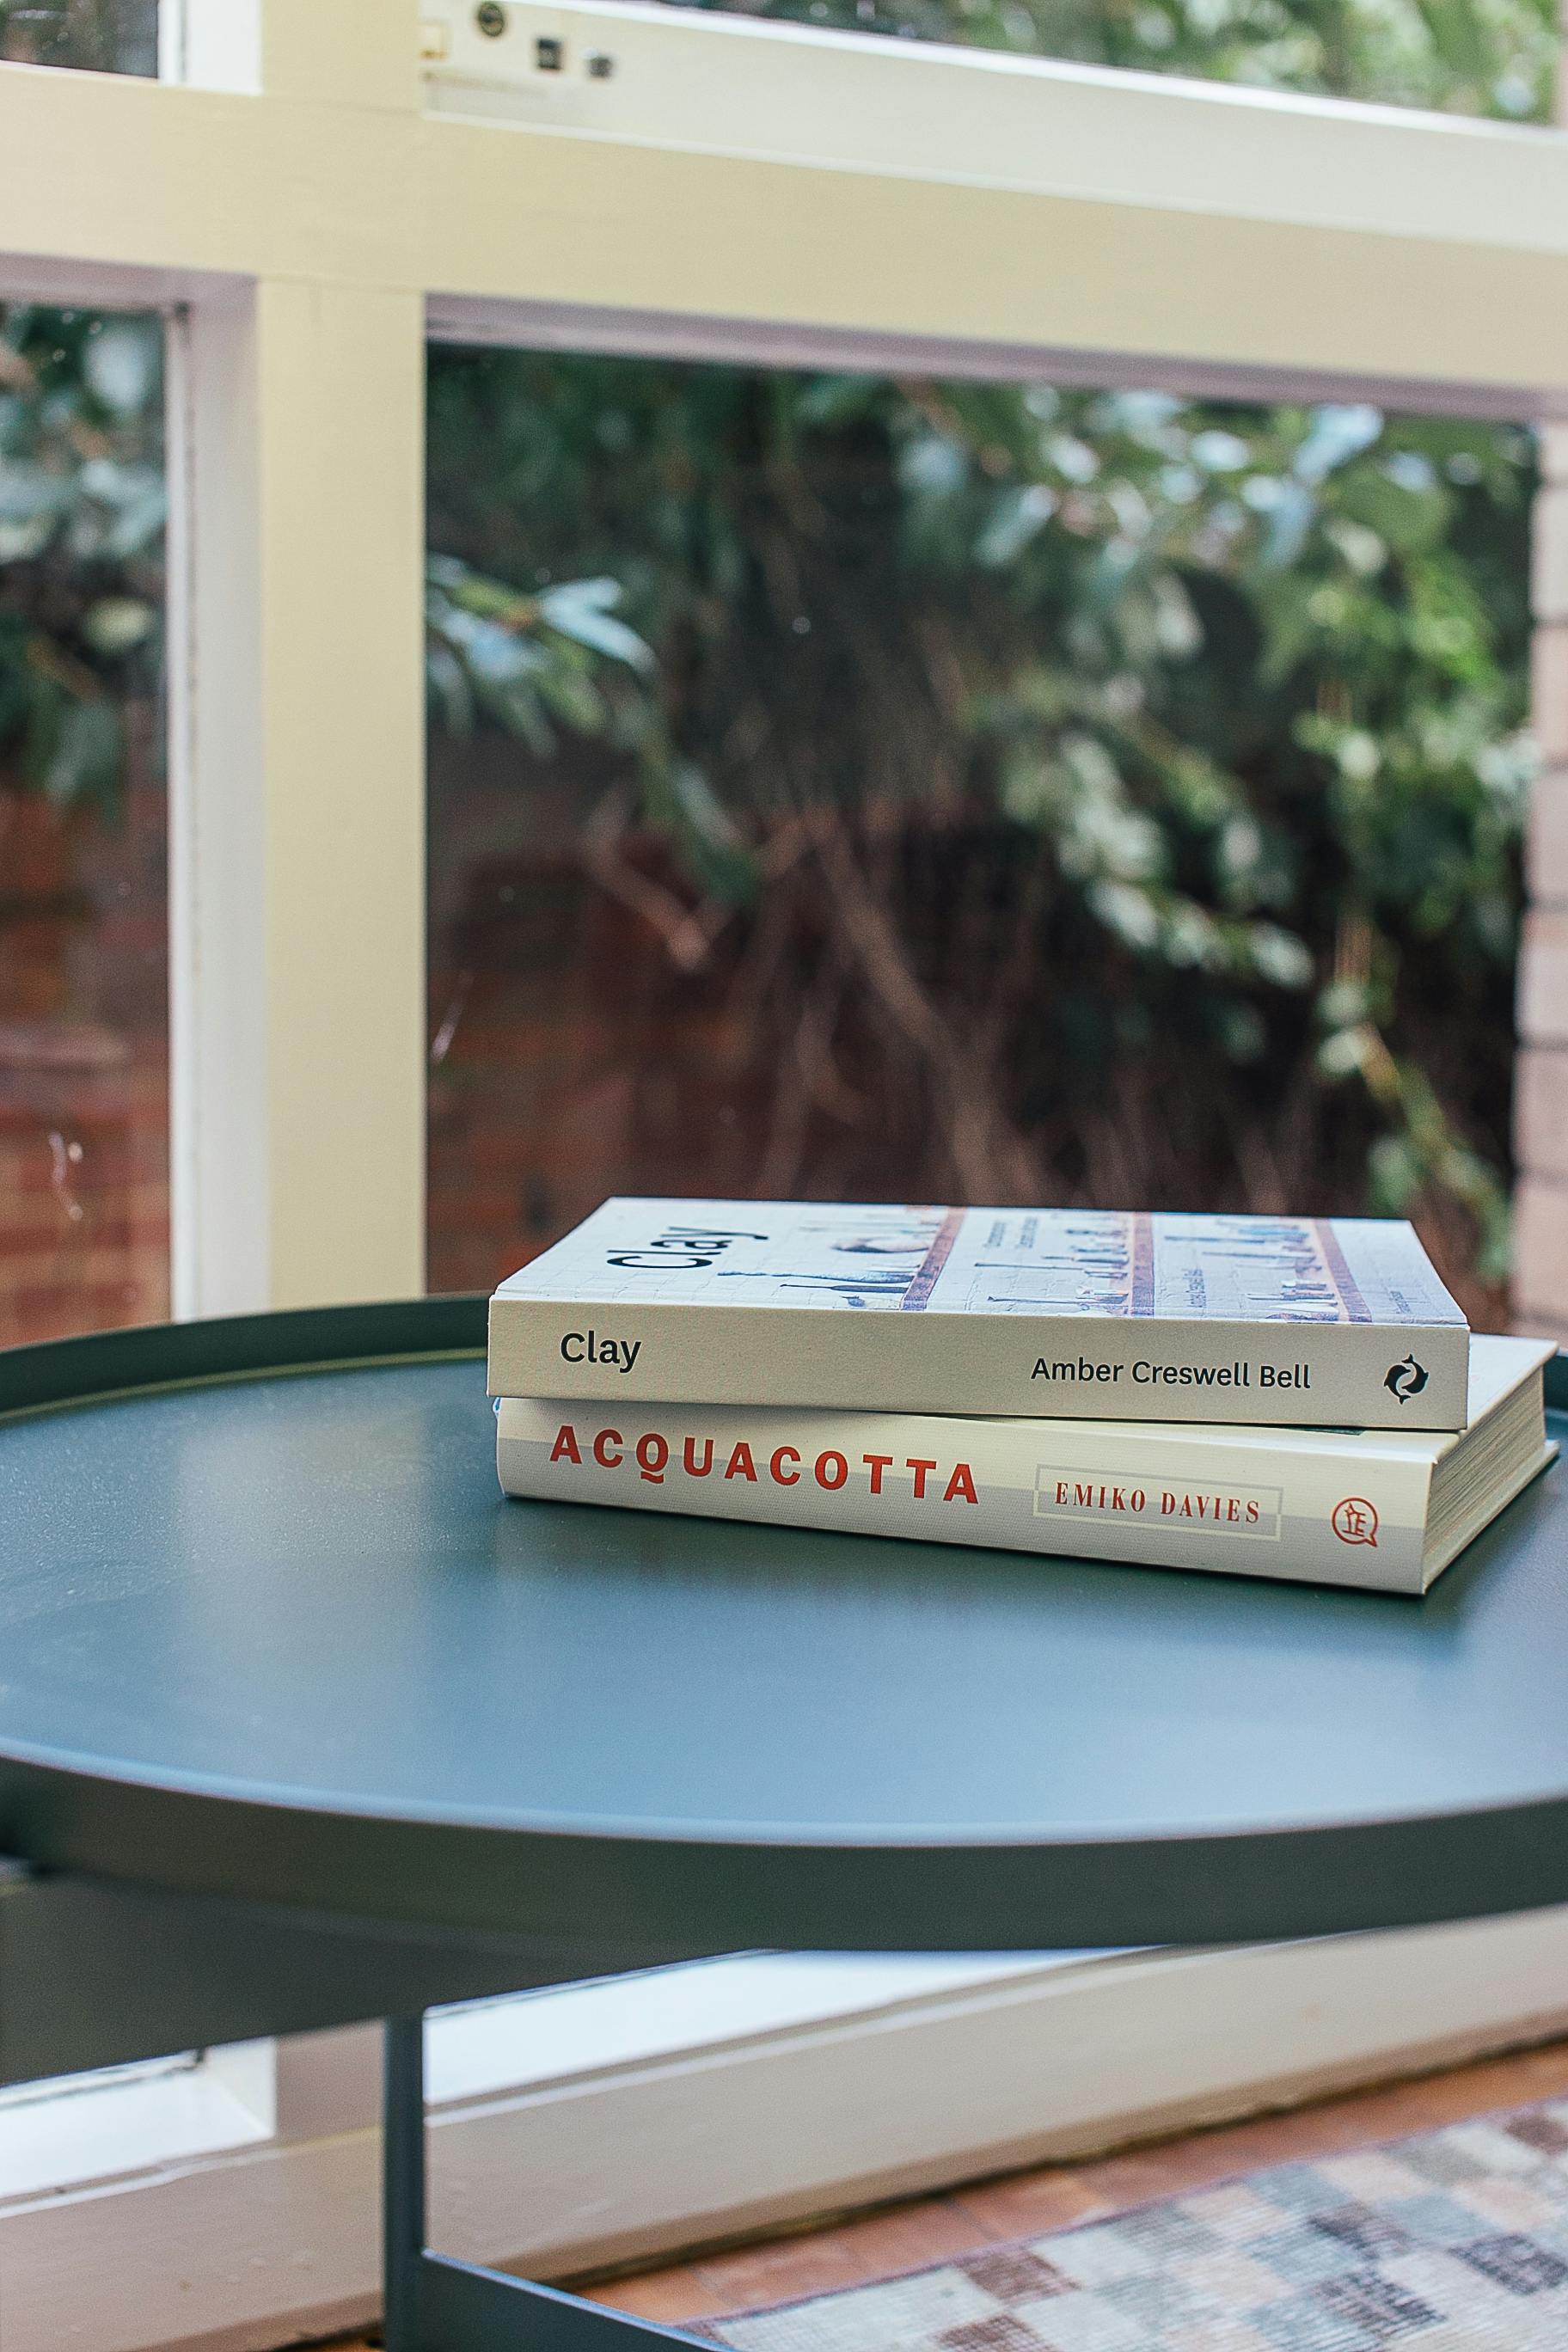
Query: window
x=84, y=1217
x=94, y=36
x=818, y=199
x=873, y=788
x=1498, y=61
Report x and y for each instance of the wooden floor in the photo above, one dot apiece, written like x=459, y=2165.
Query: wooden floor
x=854, y=2249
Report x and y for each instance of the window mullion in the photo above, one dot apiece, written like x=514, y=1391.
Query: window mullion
x=297, y=815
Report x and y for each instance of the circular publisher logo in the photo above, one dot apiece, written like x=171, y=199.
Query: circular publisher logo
x=1355, y=1521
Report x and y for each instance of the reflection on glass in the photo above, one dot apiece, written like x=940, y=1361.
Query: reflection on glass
x=1472, y=57
x=94, y=36
x=84, y=1215
x=864, y=789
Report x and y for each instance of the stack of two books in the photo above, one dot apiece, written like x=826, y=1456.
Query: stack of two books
x=1271, y=1396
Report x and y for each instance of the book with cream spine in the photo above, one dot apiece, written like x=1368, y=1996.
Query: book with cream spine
x=1365, y=1508
x=1051, y=1312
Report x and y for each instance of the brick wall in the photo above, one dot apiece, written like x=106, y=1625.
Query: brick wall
x=571, y=1057
x=577, y=1060
x=84, y=1180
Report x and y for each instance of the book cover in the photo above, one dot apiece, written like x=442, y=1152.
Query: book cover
x=1339, y=1506
x=1295, y=1321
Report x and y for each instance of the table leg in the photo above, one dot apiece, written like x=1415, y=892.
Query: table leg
x=433, y=2303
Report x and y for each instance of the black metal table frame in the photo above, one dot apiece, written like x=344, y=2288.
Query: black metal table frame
x=212, y=1972
x=432, y=2303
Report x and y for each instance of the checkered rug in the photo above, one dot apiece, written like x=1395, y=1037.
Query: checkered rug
x=1453, y=2241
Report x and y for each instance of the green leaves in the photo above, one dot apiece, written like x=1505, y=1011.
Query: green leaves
x=528, y=662
x=584, y=610
x=74, y=750
x=1235, y=685
x=81, y=522
x=680, y=801
x=1471, y=56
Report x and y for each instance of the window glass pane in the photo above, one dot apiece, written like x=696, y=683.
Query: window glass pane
x=84, y=1215
x=1473, y=57
x=922, y=791
x=94, y=36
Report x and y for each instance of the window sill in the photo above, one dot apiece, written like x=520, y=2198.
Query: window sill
x=132, y=2122
x=562, y=2139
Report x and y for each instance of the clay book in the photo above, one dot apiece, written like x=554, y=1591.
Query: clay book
x=1295, y=1321
x=1325, y=1506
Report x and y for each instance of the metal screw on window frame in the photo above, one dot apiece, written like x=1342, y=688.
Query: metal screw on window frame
x=490, y=16
x=549, y=54
x=601, y=65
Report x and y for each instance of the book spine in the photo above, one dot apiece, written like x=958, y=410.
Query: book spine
x=1289, y=1375
x=1319, y=1514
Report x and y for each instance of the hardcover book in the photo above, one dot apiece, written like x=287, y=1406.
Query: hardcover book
x=1299, y=1321
x=1322, y=1507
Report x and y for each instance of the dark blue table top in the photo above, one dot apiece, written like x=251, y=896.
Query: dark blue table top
x=279, y=1635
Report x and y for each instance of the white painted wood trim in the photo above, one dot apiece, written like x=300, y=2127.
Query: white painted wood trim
x=564, y=2036
x=296, y=827
x=127, y=2121
x=775, y=175
x=781, y=343
x=537, y=217
x=733, y=84
x=237, y=2253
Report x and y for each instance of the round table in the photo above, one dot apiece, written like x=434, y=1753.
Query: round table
x=269, y=1628
x=270, y=1633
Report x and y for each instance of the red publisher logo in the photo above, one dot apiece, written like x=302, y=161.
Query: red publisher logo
x=1355, y=1521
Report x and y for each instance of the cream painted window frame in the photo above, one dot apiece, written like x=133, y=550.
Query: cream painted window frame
x=310, y=190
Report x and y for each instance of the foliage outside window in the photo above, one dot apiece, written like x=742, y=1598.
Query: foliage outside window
x=83, y=931
x=1462, y=57
x=1093, y=796
x=92, y=36
x=82, y=545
